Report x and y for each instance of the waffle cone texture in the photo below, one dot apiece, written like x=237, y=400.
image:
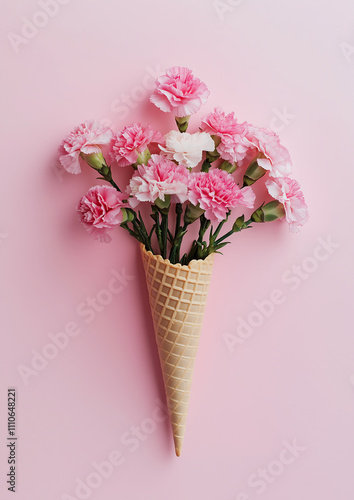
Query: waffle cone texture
x=178, y=296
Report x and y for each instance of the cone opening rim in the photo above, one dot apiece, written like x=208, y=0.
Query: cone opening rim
x=190, y=265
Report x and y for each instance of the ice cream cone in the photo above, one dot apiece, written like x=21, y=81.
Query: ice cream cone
x=177, y=296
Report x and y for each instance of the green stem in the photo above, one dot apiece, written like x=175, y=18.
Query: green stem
x=227, y=235
x=125, y=226
x=179, y=210
x=214, y=235
x=213, y=247
x=164, y=233
x=144, y=232
x=158, y=230
x=106, y=174
x=198, y=246
x=114, y=185
x=174, y=253
x=139, y=231
x=187, y=258
x=183, y=231
x=204, y=225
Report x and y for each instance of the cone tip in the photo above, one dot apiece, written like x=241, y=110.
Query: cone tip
x=178, y=452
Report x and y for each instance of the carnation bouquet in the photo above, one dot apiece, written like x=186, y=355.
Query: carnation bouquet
x=182, y=183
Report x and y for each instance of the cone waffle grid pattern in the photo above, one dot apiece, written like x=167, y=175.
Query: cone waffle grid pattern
x=178, y=297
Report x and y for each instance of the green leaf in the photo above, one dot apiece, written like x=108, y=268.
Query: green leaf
x=221, y=245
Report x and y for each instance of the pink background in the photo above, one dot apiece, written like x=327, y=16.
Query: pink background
x=292, y=378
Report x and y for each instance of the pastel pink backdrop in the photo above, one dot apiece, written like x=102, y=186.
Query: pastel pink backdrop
x=292, y=377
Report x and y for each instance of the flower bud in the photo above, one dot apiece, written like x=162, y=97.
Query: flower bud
x=192, y=213
x=182, y=122
x=228, y=167
x=128, y=215
x=258, y=215
x=95, y=160
x=143, y=157
x=253, y=173
x=273, y=210
x=239, y=224
x=163, y=204
x=269, y=212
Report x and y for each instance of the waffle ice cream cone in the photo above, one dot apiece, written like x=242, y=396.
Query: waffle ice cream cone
x=177, y=296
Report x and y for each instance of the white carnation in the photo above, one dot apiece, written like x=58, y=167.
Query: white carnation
x=187, y=149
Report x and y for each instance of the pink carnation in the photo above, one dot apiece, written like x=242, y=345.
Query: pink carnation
x=288, y=192
x=132, y=141
x=179, y=92
x=233, y=147
x=216, y=192
x=273, y=156
x=86, y=138
x=160, y=177
x=224, y=126
x=100, y=210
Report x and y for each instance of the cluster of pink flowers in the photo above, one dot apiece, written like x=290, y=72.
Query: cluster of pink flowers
x=191, y=169
x=244, y=144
